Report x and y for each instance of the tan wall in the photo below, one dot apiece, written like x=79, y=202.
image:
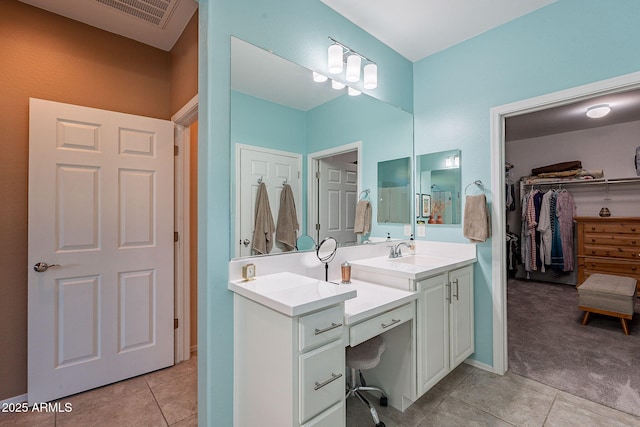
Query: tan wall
x=46, y=56
x=184, y=66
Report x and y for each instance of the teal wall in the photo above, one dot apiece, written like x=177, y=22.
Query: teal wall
x=566, y=44
x=296, y=30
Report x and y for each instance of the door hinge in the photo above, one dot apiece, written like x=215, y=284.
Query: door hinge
x=175, y=236
x=317, y=226
x=176, y=150
x=317, y=175
x=175, y=323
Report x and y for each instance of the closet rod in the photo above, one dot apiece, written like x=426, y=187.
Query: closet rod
x=586, y=182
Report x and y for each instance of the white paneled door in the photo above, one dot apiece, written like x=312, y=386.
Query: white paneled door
x=274, y=168
x=337, y=200
x=101, y=238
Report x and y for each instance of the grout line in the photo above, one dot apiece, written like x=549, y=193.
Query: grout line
x=157, y=404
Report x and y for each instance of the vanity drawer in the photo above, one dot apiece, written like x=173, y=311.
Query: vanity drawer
x=375, y=326
x=320, y=327
x=322, y=382
x=332, y=417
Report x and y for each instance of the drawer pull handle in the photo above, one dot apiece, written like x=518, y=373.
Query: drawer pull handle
x=593, y=229
x=393, y=322
x=634, y=268
x=322, y=331
x=330, y=380
x=633, y=229
x=457, y=290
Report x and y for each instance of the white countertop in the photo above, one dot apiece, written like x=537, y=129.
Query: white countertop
x=424, y=266
x=373, y=300
x=292, y=294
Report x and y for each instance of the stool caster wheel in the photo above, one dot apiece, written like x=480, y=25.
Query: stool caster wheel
x=384, y=401
x=380, y=424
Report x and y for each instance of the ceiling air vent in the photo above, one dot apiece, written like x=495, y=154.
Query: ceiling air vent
x=156, y=12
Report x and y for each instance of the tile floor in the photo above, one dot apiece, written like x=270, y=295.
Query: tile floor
x=473, y=397
x=467, y=397
x=168, y=397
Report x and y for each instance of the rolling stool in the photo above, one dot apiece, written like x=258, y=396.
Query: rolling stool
x=365, y=356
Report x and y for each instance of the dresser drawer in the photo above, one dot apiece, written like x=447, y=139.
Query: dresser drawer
x=617, y=227
x=612, y=239
x=626, y=252
x=375, y=326
x=322, y=382
x=320, y=327
x=599, y=265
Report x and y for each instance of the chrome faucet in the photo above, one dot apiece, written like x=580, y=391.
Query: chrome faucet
x=396, y=251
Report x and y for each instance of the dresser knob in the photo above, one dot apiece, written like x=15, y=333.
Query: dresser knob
x=593, y=229
x=633, y=229
x=593, y=240
x=593, y=252
x=634, y=268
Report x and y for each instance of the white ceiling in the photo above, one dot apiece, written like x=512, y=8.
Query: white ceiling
x=419, y=28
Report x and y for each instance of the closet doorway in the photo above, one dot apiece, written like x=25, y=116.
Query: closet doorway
x=499, y=117
x=609, y=146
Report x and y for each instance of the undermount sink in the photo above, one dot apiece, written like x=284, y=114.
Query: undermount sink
x=420, y=260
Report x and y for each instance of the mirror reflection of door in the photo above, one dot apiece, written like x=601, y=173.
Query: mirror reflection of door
x=337, y=197
x=274, y=168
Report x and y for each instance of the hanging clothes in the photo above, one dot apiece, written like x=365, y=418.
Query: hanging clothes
x=566, y=211
x=544, y=228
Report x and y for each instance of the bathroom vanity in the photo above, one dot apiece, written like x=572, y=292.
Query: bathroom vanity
x=290, y=334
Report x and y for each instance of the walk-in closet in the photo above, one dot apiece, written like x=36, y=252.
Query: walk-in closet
x=563, y=168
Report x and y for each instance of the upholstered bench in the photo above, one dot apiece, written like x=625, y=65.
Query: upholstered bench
x=609, y=295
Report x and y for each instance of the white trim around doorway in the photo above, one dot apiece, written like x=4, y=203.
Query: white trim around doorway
x=184, y=118
x=498, y=249
x=312, y=188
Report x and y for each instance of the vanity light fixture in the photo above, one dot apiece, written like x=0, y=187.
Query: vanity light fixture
x=340, y=54
x=597, y=111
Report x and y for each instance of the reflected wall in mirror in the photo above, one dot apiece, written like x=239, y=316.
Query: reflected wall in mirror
x=394, y=191
x=439, y=185
x=278, y=110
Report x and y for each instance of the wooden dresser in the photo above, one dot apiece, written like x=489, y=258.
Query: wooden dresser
x=608, y=246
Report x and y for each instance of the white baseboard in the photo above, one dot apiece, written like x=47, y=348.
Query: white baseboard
x=16, y=399
x=479, y=365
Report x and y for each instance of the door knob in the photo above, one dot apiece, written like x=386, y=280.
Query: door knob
x=246, y=242
x=41, y=267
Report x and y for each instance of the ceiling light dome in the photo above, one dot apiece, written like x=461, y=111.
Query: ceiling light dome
x=597, y=111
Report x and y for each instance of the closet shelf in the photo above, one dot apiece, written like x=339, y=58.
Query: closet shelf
x=580, y=182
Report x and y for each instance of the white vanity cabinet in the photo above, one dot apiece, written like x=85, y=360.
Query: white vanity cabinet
x=289, y=356
x=445, y=336
x=289, y=371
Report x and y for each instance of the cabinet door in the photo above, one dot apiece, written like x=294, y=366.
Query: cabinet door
x=432, y=331
x=461, y=315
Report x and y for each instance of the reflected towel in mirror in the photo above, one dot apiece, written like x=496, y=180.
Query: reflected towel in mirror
x=362, y=223
x=476, y=219
x=263, y=226
x=286, y=230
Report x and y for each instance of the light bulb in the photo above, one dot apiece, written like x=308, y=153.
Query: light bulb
x=317, y=77
x=370, y=76
x=353, y=92
x=353, y=68
x=335, y=59
x=337, y=85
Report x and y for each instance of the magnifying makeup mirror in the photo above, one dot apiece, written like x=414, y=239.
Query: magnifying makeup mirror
x=326, y=252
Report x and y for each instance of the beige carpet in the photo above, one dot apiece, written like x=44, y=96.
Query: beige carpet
x=548, y=343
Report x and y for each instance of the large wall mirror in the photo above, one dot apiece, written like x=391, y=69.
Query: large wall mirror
x=438, y=186
x=285, y=127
